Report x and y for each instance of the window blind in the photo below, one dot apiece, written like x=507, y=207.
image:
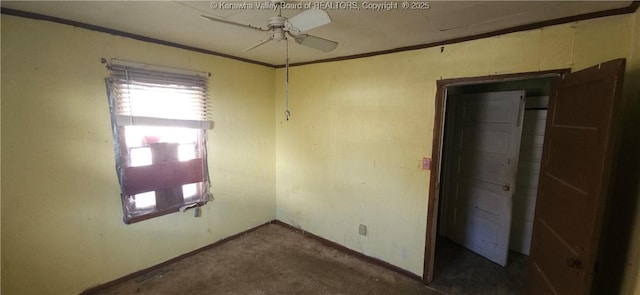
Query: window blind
x=146, y=96
x=159, y=116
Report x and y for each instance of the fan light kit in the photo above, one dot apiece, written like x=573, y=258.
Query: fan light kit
x=280, y=27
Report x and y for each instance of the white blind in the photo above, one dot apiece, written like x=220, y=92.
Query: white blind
x=145, y=96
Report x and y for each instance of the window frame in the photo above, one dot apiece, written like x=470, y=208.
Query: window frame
x=165, y=170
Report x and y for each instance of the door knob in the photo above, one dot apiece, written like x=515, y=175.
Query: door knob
x=574, y=262
x=506, y=187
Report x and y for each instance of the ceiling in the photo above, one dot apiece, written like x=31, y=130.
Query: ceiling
x=357, y=30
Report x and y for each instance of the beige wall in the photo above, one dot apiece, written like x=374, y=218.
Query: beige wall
x=62, y=228
x=351, y=152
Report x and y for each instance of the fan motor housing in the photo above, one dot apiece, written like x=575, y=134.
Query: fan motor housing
x=276, y=21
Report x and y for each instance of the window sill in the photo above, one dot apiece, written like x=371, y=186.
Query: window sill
x=153, y=214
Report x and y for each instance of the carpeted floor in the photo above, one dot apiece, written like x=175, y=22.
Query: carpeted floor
x=278, y=260
x=272, y=260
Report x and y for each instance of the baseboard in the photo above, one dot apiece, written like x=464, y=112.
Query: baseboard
x=357, y=254
x=376, y=261
x=98, y=288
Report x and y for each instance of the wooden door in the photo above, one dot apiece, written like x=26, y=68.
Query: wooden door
x=574, y=180
x=482, y=180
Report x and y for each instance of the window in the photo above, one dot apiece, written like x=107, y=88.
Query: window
x=159, y=119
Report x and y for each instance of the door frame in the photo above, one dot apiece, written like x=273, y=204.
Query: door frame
x=436, y=155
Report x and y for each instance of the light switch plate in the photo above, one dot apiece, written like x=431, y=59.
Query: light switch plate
x=426, y=163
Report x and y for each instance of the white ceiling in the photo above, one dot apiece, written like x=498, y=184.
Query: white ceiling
x=357, y=31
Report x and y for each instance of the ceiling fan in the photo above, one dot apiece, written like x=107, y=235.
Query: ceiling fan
x=281, y=27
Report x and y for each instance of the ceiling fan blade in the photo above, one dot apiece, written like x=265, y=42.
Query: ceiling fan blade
x=316, y=42
x=307, y=20
x=215, y=19
x=259, y=44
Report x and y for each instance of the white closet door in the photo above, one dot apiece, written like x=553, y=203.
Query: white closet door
x=487, y=144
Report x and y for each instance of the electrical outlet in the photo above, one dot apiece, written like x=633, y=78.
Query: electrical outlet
x=362, y=230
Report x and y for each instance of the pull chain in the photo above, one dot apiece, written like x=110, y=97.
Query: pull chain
x=287, y=113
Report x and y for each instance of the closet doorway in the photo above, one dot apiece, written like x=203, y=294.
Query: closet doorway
x=581, y=134
x=492, y=137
